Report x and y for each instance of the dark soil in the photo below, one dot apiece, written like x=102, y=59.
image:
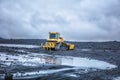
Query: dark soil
x=105, y=51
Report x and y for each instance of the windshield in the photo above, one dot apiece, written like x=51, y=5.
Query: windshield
x=53, y=36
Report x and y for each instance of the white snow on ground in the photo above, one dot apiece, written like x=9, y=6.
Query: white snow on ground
x=25, y=60
x=20, y=45
x=71, y=75
x=86, y=49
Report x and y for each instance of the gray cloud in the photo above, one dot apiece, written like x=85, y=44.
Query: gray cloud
x=89, y=20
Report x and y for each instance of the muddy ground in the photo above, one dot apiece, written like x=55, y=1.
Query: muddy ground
x=103, y=51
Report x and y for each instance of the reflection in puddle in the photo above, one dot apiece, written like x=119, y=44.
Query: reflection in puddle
x=77, y=62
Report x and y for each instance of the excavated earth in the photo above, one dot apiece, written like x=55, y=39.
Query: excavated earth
x=25, y=60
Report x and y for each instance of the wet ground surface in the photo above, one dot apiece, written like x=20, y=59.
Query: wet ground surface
x=30, y=62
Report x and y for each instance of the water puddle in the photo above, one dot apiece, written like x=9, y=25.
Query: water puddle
x=82, y=62
x=35, y=59
x=57, y=60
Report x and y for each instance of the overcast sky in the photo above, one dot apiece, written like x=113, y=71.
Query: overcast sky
x=81, y=20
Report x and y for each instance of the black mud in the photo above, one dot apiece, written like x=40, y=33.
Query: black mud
x=105, y=51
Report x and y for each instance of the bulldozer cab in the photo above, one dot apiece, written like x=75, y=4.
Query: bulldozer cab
x=54, y=35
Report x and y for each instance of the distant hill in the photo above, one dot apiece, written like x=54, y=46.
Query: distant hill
x=22, y=41
x=1, y=38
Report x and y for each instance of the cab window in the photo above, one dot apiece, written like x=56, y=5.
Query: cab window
x=53, y=36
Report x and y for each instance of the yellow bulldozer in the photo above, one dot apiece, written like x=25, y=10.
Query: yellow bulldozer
x=55, y=42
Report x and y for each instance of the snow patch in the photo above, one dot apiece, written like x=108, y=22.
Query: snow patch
x=25, y=60
x=20, y=45
x=71, y=75
x=38, y=73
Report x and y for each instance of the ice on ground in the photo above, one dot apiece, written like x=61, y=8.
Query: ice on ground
x=117, y=78
x=20, y=45
x=38, y=73
x=71, y=75
x=25, y=60
x=86, y=49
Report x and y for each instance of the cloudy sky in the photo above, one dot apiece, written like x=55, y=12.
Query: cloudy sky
x=81, y=20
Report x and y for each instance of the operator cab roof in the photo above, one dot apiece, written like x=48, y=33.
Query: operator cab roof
x=54, y=33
